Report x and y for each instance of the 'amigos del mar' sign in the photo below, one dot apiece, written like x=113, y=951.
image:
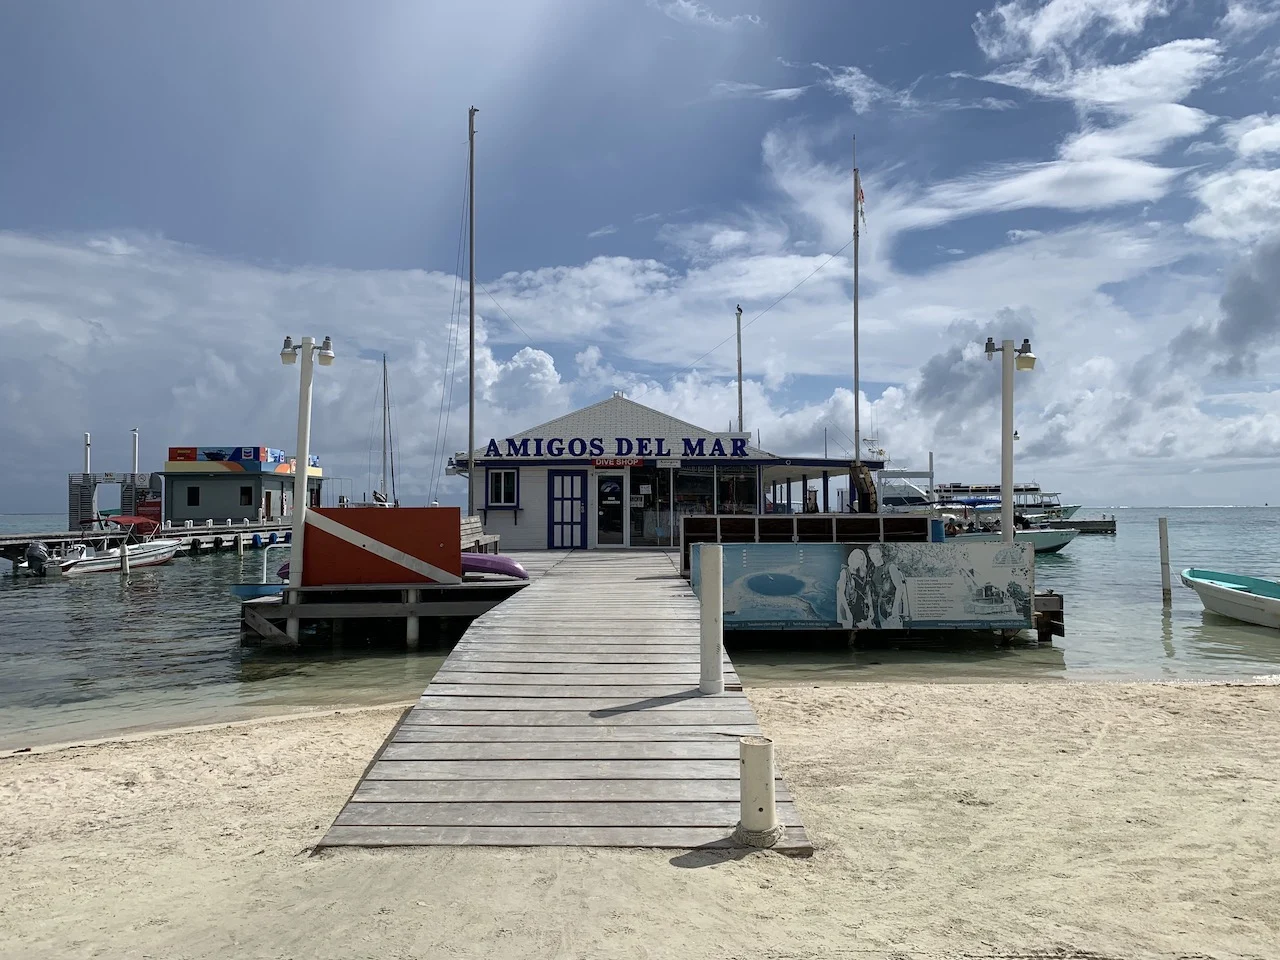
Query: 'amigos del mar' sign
x=578, y=448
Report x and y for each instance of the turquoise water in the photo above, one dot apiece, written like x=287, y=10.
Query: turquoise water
x=87, y=657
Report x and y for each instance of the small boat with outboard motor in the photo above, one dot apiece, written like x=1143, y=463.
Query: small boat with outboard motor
x=140, y=544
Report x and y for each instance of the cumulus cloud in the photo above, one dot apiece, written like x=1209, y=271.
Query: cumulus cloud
x=1253, y=136
x=1249, y=321
x=1240, y=205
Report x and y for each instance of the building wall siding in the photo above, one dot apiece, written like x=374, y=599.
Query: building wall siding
x=525, y=529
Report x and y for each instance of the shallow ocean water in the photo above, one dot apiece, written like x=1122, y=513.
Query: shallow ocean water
x=86, y=657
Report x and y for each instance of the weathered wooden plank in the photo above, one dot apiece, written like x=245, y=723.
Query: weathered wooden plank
x=725, y=749
x=566, y=791
x=582, y=649
x=601, y=706
x=576, y=718
x=511, y=682
x=457, y=667
x=650, y=690
x=652, y=733
x=668, y=838
x=553, y=770
x=716, y=813
x=478, y=655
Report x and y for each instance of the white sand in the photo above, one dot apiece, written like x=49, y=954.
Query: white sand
x=952, y=821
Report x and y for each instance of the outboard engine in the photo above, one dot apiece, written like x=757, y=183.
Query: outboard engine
x=37, y=556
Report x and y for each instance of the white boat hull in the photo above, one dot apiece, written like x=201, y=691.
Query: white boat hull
x=1042, y=541
x=151, y=553
x=1236, y=604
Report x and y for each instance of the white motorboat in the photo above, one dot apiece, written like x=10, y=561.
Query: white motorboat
x=1248, y=599
x=89, y=558
x=1042, y=540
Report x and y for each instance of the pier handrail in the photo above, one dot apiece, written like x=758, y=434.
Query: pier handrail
x=267, y=547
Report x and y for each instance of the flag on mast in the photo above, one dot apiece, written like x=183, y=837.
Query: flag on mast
x=861, y=202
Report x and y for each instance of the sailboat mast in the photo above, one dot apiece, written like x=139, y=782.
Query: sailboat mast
x=386, y=420
x=471, y=342
x=857, y=394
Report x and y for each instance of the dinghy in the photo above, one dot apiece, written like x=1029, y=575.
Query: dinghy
x=1249, y=599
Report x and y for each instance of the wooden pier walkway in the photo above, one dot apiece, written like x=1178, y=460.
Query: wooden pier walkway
x=569, y=716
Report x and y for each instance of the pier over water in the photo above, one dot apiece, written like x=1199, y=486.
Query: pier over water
x=569, y=715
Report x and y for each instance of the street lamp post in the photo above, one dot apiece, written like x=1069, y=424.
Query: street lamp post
x=1011, y=357
x=289, y=354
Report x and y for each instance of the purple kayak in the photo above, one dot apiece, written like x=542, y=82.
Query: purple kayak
x=494, y=563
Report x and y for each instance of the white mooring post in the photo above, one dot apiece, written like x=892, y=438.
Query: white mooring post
x=124, y=562
x=239, y=544
x=759, y=825
x=411, y=622
x=1166, y=583
x=711, y=614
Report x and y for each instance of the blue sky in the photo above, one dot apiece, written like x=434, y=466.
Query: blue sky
x=183, y=184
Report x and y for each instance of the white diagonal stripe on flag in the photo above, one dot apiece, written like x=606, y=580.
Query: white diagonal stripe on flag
x=365, y=542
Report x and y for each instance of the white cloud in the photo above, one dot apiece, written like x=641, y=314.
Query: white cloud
x=862, y=92
x=1146, y=133
x=1020, y=27
x=604, y=231
x=1163, y=74
x=1238, y=205
x=1244, y=19
x=732, y=88
x=699, y=15
x=1253, y=136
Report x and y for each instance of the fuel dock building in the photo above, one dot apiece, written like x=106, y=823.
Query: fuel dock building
x=620, y=474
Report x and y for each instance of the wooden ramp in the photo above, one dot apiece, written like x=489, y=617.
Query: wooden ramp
x=569, y=715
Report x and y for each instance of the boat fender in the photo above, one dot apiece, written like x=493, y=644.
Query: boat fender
x=257, y=541
x=217, y=544
x=195, y=546
x=273, y=538
x=288, y=537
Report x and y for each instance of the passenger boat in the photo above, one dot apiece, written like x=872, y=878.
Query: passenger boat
x=147, y=551
x=1042, y=540
x=1248, y=599
x=1028, y=499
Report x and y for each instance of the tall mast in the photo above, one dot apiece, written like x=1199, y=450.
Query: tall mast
x=386, y=422
x=471, y=341
x=857, y=395
x=739, y=368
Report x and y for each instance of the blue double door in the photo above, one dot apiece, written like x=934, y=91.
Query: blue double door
x=566, y=509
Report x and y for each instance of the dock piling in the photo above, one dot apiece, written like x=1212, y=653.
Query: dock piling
x=411, y=622
x=239, y=544
x=124, y=562
x=1166, y=582
x=711, y=618
x=759, y=826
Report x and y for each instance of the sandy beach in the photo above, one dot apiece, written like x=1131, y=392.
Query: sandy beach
x=957, y=820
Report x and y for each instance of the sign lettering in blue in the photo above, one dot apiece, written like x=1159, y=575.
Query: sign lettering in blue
x=578, y=448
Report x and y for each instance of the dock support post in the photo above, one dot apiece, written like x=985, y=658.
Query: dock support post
x=711, y=616
x=1166, y=582
x=759, y=826
x=411, y=623
x=124, y=561
x=291, y=624
x=239, y=544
